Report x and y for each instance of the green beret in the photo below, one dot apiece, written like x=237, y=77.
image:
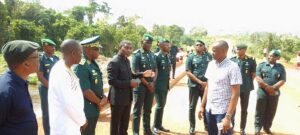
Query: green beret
x=163, y=40
x=275, y=52
x=241, y=46
x=91, y=42
x=17, y=51
x=199, y=42
x=147, y=37
x=46, y=41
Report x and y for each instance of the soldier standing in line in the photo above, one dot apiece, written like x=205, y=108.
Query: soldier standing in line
x=247, y=66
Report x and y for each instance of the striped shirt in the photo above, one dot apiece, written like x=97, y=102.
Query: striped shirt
x=220, y=78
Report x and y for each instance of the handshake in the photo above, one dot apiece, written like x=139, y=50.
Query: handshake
x=135, y=82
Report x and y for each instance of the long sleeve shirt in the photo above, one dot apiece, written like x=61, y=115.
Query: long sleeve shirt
x=66, y=103
x=16, y=111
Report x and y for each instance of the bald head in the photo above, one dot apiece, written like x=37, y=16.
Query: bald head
x=219, y=50
x=68, y=46
x=221, y=44
x=71, y=51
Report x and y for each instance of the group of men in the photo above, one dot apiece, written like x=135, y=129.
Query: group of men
x=71, y=89
x=221, y=81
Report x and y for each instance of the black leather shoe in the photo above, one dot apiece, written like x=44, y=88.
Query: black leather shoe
x=192, y=131
x=268, y=131
x=242, y=132
x=164, y=129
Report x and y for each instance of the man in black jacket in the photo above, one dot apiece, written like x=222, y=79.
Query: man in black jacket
x=120, y=79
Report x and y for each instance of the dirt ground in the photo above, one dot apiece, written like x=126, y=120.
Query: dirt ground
x=286, y=121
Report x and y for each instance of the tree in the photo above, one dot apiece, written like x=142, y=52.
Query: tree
x=175, y=33
x=160, y=30
x=198, y=32
x=77, y=13
x=4, y=23
x=25, y=30
x=94, y=8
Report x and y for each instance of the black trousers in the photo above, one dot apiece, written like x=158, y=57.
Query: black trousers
x=194, y=94
x=173, y=64
x=244, y=101
x=265, y=111
x=119, y=119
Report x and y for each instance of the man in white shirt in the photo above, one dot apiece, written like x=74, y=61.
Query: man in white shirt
x=66, y=114
x=222, y=91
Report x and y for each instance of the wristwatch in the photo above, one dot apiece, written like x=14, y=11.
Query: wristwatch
x=228, y=116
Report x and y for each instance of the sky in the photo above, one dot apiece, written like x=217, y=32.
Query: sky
x=217, y=16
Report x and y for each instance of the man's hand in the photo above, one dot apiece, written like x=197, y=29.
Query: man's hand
x=270, y=90
x=103, y=100
x=99, y=106
x=134, y=84
x=201, y=113
x=150, y=87
x=203, y=84
x=83, y=127
x=149, y=73
x=226, y=125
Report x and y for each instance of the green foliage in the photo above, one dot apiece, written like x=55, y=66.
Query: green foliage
x=4, y=23
x=25, y=30
x=31, y=21
x=3, y=64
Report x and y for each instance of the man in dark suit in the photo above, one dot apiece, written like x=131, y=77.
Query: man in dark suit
x=120, y=79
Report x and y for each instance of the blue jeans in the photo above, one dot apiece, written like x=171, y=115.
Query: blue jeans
x=212, y=120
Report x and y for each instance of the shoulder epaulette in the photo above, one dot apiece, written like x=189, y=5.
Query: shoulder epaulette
x=137, y=51
x=157, y=53
x=83, y=61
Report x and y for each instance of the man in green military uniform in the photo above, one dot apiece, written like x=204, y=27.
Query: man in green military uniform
x=162, y=84
x=196, y=65
x=143, y=59
x=247, y=66
x=173, y=53
x=47, y=60
x=270, y=76
x=90, y=79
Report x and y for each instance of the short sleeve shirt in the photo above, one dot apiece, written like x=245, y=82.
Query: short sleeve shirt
x=221, y=76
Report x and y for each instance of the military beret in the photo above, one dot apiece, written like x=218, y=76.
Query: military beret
x=46, y=41
x=241, y=46
x=147, y=37
x=275, y=52
x=163, y=40
x=91, y=42
x=17, y=51
x=199, y=42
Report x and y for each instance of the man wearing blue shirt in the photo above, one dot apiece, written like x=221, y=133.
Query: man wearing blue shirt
x=17, y=116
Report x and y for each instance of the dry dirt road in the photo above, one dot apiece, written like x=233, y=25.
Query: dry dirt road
x=286, y=121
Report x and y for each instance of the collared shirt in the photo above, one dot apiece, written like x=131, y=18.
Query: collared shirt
x=142, y=61
x=163, y=71
x=221, y=76
x=197, y=64
x=16, y=112
x=46, y=63
x=90, y=78
x=66, y=114
x=270, y=75
x=247, y=66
